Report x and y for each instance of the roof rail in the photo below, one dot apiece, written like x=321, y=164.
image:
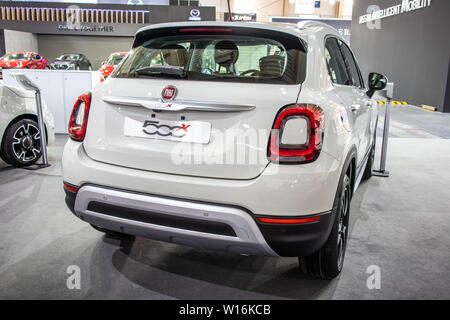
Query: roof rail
x=311, y=23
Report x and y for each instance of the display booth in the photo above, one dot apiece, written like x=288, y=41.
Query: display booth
x=59, y=89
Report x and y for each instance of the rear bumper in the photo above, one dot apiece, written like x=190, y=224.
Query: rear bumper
x=197, y=224
x=132, y=213
x=285, y=191
x=200, y=212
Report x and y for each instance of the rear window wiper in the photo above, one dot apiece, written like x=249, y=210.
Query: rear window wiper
x=171, y=70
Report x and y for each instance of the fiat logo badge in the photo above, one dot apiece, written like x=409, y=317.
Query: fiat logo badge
x=168, y=93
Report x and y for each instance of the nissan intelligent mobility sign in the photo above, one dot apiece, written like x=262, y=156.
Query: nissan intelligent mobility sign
x=404, y=7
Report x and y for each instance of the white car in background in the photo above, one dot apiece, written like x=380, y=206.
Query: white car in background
x=248, y=138
x=19, y=131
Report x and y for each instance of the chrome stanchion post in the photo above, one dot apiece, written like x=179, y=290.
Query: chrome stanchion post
x=25, y=82
x=387, y=116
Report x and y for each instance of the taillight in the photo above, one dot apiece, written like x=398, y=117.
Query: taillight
x=70, y=187
x=79, y=117
x=297, y=134
x=289, y=221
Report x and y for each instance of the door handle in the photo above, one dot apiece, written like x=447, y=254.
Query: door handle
x=355, y=107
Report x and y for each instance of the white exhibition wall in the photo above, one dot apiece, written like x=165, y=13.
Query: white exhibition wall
x=59, y=89
x=20, y=41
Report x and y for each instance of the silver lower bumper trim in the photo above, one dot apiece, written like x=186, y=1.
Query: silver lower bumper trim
x=248, y=239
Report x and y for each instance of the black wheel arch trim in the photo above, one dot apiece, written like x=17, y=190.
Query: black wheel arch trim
x=351, y=156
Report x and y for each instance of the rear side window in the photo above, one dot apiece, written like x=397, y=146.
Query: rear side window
x=349, y=60
x=341, y=64
x=335, y=62
x=218, y=57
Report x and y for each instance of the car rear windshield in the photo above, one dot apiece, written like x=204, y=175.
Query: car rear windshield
x=69, y=57
x=115, y=59
x=217, y=57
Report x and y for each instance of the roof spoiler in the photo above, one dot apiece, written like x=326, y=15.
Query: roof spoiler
x=146, y=34
x=311, y=23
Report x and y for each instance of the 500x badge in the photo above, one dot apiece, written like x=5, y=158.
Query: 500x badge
x=164, y=130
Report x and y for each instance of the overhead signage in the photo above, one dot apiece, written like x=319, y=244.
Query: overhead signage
x=93, y=20
x=85, y=28
x=305, y=6
x=194, y=15
x=404, y=7
x=242, y=17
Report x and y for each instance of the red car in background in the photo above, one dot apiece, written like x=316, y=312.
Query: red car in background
x=23, y=60
x=110, y=63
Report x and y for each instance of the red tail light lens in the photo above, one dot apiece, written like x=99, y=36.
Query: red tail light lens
x=70, y=187
x=289, y=221
x=79, y=117
x=300, y=143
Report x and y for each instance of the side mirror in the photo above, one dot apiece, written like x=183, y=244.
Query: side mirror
x=38, y=57
x=103, y=63
x=377, y=81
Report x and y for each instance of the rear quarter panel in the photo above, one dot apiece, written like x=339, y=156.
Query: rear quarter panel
x=339, y=136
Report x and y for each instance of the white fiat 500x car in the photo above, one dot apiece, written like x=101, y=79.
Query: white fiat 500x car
x=19, y=131
x=247, y=138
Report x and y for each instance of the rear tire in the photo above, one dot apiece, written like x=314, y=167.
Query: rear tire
x=21, y=145
x=112, y=233
x=327, y=262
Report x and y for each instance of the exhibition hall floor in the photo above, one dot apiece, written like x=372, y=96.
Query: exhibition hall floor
x=400, y=223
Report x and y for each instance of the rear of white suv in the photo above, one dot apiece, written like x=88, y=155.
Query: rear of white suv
x=220, y=136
